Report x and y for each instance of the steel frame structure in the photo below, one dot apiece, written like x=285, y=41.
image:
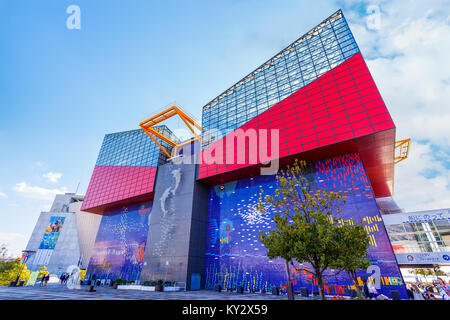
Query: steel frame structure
x=403, y=147
x=147, y=126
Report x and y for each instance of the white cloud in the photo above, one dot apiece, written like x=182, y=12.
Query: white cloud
x=15, y=243
x=3, y=195
x=408, y=58
x=6, y=237
x=422, y=182
x=52, y=176
x=35, y=192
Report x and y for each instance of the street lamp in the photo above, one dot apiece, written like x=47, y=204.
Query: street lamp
x=25, y=255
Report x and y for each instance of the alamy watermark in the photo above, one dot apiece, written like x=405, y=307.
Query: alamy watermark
x=74, y=20
x=234, y=147
x=373, y=20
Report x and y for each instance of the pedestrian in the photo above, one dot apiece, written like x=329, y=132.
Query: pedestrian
x=47, y=277
x=61, y=278
x=417, y=295
x=418, y=281
x=429, y=294
x=369, y=288
x=409, y=291
x=443, y=289
x=367, y=294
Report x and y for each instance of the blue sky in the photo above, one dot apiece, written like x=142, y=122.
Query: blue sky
x=61, y=90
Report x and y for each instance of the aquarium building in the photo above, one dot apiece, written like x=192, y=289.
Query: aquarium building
x=186, y=210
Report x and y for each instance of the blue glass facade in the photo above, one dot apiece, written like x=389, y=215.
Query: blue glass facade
x=317, y=52
x=120, y=244
x=133, y=148
x=235, y=256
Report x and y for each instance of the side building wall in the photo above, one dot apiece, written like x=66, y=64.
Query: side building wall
x=56, y=249
x=87, y=226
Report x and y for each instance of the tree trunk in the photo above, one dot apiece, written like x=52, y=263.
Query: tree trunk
x=289, y=288
x=320, y=285
x=354, y=278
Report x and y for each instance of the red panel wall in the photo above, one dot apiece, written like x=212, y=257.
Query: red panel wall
x=341, y=105
x=113, y=184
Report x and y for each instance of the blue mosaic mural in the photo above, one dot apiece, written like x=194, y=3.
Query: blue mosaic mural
x=120, y=245
x=235, y=256
x=52, y=233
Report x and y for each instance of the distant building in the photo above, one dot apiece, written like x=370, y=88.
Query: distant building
x=387, y=205
x=420, y=238
x=62, y=237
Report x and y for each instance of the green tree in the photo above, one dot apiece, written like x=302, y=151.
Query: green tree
x=424, y=272
x=82, y=273
x=9, y=270
x=279, y=243
x=438, y=272
x=43, y=272
x=354, y=243
x=304, y=219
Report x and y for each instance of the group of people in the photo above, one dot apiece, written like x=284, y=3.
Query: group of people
x=44, y=280
x=63, y=278
x=417, y=291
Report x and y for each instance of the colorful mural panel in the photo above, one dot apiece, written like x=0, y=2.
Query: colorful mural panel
x=120, y=244
x=48, y=242
x=235, y=256
x=52, y=233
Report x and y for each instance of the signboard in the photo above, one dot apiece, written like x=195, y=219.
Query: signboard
x=420, y=216
x=32, y=278
x=423, y=258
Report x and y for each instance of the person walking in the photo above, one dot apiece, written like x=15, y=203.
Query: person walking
x=429, y=294
x=409, y=291
x=47, y=277
x=443, y=289
x=369, y=288
x=367, y=294
x=417, y=295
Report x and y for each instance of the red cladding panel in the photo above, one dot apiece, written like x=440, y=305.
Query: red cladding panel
x=342, y=105
x=111, y=184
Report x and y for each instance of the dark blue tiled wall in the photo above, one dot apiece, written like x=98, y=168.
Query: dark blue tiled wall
x=120, y=244
x=235, y=256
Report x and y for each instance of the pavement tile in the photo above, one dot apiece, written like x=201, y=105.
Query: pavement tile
x=61, y=292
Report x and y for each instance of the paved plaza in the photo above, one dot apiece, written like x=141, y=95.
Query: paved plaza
x=61, y=292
